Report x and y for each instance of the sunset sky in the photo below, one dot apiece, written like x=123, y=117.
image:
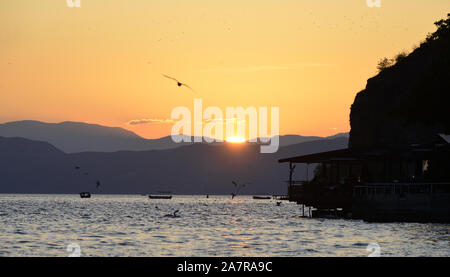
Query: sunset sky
x=103, y=63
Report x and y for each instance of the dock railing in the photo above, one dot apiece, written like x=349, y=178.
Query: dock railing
x=399, y=188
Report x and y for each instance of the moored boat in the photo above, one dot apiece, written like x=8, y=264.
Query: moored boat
x=160, y=196
x=85, y=194
x=261, y=197
x=280, y=197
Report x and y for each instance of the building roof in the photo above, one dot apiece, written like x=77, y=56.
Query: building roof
x=445, y=137
x=319, y=157
x=411, y=152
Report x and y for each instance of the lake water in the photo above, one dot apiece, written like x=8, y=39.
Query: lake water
x=133, y=225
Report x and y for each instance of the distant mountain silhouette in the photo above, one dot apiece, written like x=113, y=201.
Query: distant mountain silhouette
x=74, y=137
x=294, y=139
x=286, y=140
x=339, y=135
x=30, y=166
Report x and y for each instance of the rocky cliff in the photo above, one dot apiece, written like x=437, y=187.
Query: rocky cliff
x=407, y=102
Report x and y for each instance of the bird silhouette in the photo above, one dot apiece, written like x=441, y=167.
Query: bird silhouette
x=179, y=83
x=173, y=215
x=238, y=188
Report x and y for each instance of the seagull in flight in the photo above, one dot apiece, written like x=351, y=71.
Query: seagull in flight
x=178, y=82
x=238, y=188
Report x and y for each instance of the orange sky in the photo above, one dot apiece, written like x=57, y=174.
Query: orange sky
x=102, y=63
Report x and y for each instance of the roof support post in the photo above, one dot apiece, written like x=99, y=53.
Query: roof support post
x=291, y=173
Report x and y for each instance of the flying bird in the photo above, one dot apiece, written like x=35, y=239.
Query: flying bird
x=238, y=188
x=179, y=83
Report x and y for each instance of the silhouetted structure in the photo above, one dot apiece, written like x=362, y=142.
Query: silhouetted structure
x=397, y=166
x=378, y=184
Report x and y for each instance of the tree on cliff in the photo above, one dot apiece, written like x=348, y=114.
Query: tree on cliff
x=386, y=63
x=442, y=32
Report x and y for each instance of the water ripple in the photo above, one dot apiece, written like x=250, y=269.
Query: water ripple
x=130, y=225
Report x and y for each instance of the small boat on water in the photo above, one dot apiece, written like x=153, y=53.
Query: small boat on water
x=280, y=197
x=261, y=197
x=85, y=194
x=160, y=196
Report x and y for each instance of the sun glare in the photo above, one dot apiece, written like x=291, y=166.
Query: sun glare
x=235, y=140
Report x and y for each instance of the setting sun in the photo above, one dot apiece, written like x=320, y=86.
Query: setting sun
x=235, y=139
